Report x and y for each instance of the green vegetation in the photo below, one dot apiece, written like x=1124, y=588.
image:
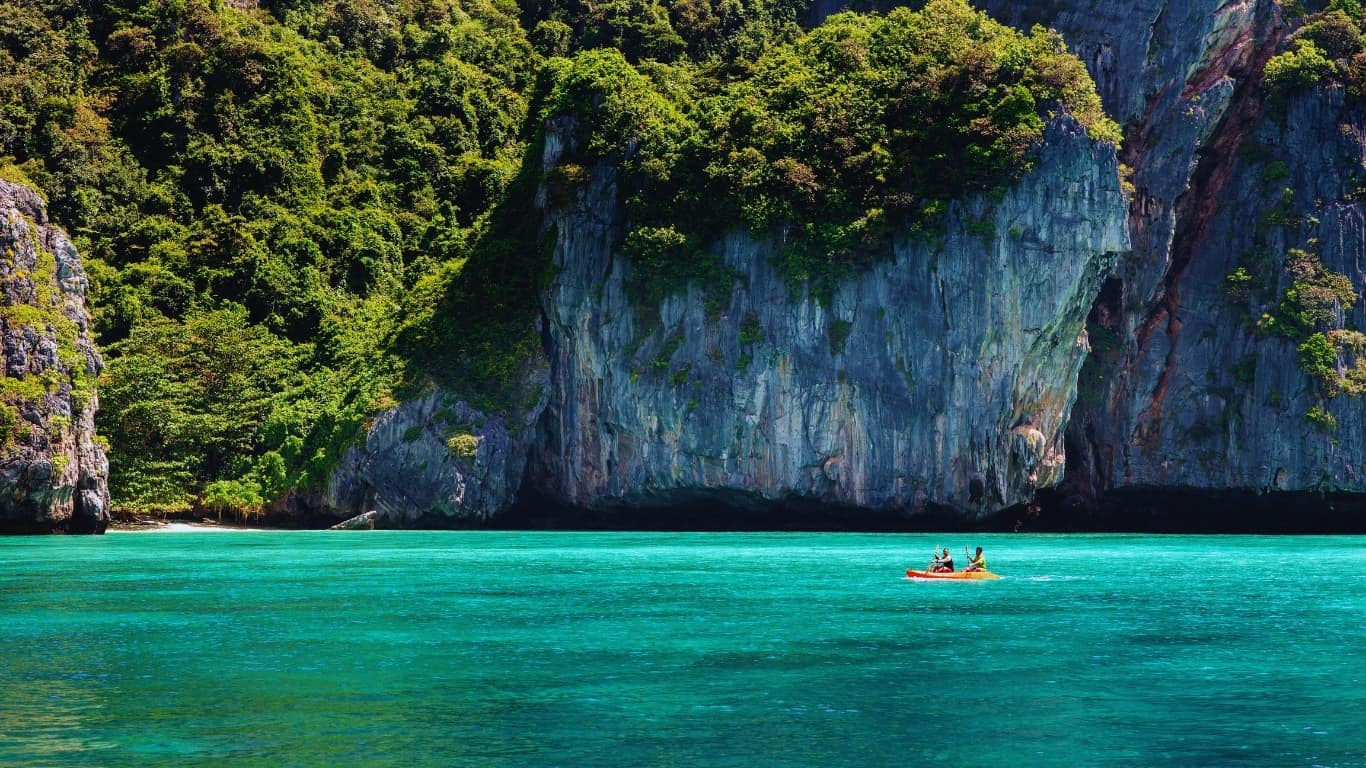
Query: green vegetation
x=1301, y=300
x=719, y=33
x=463, y=445
x=1329, y=47
x=1238, y=285
x=666, y=352
x=1275, y=171
x=838, y=333
x=293, y=217
x=254, y=194
x=680, y=377
x=1303, y=66
x=1319, y=360
x=10, y=425
x=751, y=330
x=1352, y=8
x=1322, y=420
x=1309, y=312
x=861, y=127
x=44, y=317
x=1313, y=301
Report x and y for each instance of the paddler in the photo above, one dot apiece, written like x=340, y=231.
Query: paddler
x=943, y=564
x=977, y=562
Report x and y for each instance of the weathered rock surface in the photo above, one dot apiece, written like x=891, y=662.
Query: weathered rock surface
x=943, y=375
x=365, y=521
x=434, y=461
x=1211, y=401
x=1190, y=395
x=922, y=403
x=1185, y=394
x=53, y=473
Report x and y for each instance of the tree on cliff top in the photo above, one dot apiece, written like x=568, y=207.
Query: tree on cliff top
x=863, y=126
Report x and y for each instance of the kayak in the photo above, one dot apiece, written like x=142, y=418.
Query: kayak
x=911, y=573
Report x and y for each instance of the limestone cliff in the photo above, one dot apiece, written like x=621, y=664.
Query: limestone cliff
x=911, y=385
x=435, y=461
x=1185, y=81
x=53, y=472
x=778, y=396
x=1214, y=397
x=1191, y=388
x=943, y=375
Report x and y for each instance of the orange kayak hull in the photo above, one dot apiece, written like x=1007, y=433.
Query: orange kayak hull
x=911, y=573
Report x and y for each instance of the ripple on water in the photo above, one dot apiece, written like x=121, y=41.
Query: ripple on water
x=456, y=648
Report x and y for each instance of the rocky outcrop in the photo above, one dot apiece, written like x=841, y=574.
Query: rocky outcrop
x=910, y=386
x=435, y=462
x=362, y=522
x=53, y=472
x=1185, y=80
x=942, y=376
x=1214, y=399
x=1190, y=390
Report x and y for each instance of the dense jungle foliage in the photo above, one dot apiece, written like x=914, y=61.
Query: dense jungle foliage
x=295, y=215
x=1327, y=46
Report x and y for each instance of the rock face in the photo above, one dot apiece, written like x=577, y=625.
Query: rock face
x=911, y=385
x=362, y=522
x=1241, y=396
x=1189, y=393
x=1185, y=81
x=434, y=462
x=53, y=473
x=944, y=375
x=1205, y=398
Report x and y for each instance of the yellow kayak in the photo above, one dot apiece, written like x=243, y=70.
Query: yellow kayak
x=911, y=573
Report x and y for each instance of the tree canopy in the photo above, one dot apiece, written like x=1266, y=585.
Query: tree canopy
x=293, y=215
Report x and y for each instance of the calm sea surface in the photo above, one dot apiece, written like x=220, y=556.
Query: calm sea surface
x=625, y=649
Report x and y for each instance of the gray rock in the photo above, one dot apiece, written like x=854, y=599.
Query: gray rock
x=411, y=474
x=949, y=346
x=53, y=474
x=1169, y=411
x=1191, y=419
x=362, y=522
x=943, y=375
x=899, y=391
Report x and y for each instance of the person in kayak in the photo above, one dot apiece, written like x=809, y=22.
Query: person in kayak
x=977, y=562
x=943, y=564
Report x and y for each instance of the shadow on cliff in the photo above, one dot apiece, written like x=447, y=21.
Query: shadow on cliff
x=700, y=510
x=1188, y=510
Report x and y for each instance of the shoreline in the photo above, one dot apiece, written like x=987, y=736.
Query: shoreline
x=180, y=526
x=1133, y=511
x=193, y=527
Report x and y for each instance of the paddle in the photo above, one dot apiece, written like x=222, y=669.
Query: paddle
x=971, y=567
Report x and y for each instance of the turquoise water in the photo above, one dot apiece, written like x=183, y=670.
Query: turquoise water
x=626, y=649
